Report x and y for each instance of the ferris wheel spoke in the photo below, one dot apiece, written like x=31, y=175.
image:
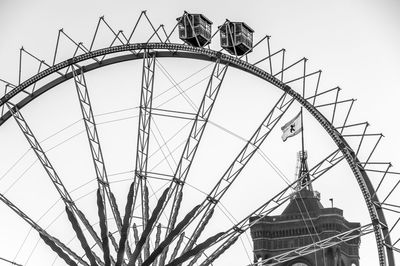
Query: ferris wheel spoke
x=136, y=237
x=191, y=145
x=238, y=165
x=11, y=262
x=344, y=237
x=51, y=172
x=55, y=244
x=94, y=142
x=196, y=250
x=157, y=242
x=147, y=230
x=195, y=135
x=330, y=112
x=113, y=241
x=104, y=189
x=177, y=246
x=170, y=237
x=81, y=237
x=232, y=235
x=142, y=154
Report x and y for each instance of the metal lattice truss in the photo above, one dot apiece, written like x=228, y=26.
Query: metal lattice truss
x=318, y=245
x=296, y=83
x=98, y=162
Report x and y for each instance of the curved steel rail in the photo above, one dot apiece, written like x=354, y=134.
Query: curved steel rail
x=184, y=51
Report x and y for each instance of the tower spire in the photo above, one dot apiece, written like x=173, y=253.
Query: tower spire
x=303, y=176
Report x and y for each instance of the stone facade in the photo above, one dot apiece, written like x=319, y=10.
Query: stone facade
x=303, y=222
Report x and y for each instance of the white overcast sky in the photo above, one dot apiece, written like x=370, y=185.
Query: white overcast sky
x=356, y=44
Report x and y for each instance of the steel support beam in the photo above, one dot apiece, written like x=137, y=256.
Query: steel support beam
x=41, y=231
x=276, y=201
x=317, y=246
x=192, y=143
x=51, y=172
x=140, y=178
x=98, y=159
x=184, y=51
x=238, y=165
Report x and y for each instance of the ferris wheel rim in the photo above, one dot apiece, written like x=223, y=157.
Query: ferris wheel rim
x=174, y=50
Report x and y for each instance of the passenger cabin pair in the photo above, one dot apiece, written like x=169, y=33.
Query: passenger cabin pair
x=235, y=37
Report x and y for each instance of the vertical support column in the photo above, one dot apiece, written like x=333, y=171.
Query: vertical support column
x=146, y=100
x=236, y=167
x=51, y=172
x=192, y=143
x=98, y=161
x=59, y=247
x=142, y=149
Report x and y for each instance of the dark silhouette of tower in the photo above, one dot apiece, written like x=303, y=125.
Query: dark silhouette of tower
x=304, y=222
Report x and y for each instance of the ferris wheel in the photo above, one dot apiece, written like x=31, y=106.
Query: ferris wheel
x=164, y=147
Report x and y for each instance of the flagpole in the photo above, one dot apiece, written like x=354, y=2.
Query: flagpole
x=303, y=156
x=301, y=110
x=302, y=132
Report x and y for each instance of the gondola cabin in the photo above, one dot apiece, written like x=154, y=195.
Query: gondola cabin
x=194, y=29
x=236, y=37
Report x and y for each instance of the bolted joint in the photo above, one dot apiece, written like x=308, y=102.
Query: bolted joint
x=178, y=181
x=237, y=229
x=212, y=200
x=102, y=182
x=286, y=88
x=140, y=176
x=375, y=222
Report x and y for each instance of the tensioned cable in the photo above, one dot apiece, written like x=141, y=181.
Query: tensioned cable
x=113, y=112
x=244, y=246
x=154, y=193
x=20, y=176
x=307, y=212
x=59, y=131
x=64, y=141
x=30, y=228
x=15, y=163
x=32, y=251
x=172, y=80
x=264, y=157
x=168, y=140
x=131, y=117
x=162, y=160
x=259, y=151
x=308, y=229
x=67, y=139
x=9, y=261
x=277, y=170
x=164, y=143
x=51, y=148
x=72, y=124
x=195, y=109
x=224, y=211
x=162, y=151
x=183, y=91
x=58, y=216
x=180, y=82
x=233, y=221
x=102, y=114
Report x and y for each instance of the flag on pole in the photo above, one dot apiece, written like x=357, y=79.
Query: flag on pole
x=292, y=128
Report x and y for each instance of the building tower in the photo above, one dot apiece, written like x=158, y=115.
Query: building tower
x=303, y=222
